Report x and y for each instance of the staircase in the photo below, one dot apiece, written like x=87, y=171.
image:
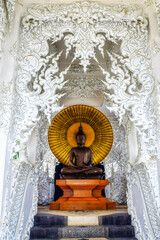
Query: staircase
x=51, y=227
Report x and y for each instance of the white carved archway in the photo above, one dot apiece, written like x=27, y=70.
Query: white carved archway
x=83, y=29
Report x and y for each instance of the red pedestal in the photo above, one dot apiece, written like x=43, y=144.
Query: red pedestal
x=82, y=194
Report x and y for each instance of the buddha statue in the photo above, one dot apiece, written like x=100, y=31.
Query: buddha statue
x=80, y=159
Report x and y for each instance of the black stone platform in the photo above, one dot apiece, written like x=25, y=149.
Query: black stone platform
x=53, y=227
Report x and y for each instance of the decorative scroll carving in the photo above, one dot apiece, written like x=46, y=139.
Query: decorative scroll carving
x=140, y=177
x=83, y=88
x=46, y=189
x=129, y=86
x=83, y=28
x=6, y=19
x=6, y=102
x=33, y=211
x=34, y=177
x=155, y=48
x=38, y=74
x=131, y=180
x=116, y=166
x=148, y=2
x=12, y=212
x=3, y=23
x=153, y=216
x=47, y=167
x=10, y=7
x=157, y=4
x=46, y=186
x=128, y=82
x=6, y=106
x=76, y=69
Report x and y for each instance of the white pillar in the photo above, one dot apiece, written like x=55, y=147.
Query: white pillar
x=3, y=150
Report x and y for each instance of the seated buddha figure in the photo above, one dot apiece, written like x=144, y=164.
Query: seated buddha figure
x=80, y=159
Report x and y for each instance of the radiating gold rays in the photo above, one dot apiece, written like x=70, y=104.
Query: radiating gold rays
x=64, y=126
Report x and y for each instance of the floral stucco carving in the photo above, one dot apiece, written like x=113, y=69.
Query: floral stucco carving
x=38, y=73
x=139, y=176
x=115, y=165
x=40, y=82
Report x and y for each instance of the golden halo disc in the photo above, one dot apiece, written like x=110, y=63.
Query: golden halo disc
x=87, y=129
x=64, y=126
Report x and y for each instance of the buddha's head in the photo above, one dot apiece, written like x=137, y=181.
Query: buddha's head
x=80, y=137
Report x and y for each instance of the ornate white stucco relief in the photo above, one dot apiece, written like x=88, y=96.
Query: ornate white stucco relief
x=46, y=186
x=6, y=85
x=155, y=48
x=84, y=87
x=26, y=230
x=6, y=104
x=115, y=165
x=132, y=180
x=6, y=19
x=129, y=85
x=148, y=194
x=151, y=230
x=46, y=189
x=33, y=180
x=15, y=198
x=3, y=22
x=148, y=2
x=82, y=27
x=39, y=73
x=157, y=7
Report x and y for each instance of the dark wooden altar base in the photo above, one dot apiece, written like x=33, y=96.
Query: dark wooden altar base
x=82, y=194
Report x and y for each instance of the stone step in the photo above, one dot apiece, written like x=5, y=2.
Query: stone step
x=82, y=232
x=84, y=239
x=68, y=232
x=74, y=239
x=53, y=227
x=121, y=238
x=44, y=232
x=49, y=220
x=121, y=231
x=115, y=219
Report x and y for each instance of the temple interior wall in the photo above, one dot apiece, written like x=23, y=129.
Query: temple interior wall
x=142, y=187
